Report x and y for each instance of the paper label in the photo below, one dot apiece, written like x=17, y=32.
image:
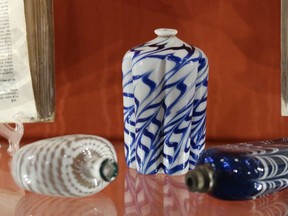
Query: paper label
x=16, y=91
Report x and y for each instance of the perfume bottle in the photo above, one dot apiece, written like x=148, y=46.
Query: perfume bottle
x=241, y=171
x=69, y=166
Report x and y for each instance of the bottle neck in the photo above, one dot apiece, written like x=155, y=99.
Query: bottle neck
x=201, y=179
x=165, y=32
x=101, y=168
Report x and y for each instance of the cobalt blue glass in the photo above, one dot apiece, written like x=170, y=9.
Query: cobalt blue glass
x=241, y=171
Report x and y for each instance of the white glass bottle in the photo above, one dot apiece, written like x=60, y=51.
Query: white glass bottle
x=69, y=166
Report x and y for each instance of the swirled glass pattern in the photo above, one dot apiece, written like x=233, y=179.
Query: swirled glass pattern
x=65, y=166
x=248, y=170
x=165, y=98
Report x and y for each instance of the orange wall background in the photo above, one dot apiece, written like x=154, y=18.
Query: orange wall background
x=240, y=38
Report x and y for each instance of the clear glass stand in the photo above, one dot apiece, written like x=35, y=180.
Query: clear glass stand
x=13, y=133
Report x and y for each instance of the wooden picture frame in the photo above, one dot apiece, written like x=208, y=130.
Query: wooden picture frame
x=284, y=58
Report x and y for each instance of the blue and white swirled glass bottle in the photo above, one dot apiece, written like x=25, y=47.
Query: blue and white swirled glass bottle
x=165, y=96
x=241, y=171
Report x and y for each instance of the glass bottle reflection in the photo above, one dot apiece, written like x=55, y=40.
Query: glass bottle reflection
x=143, y=194
x=155, y=195
x=10, y=193
x=271, y=205
x=168, y=195
x=34, y=204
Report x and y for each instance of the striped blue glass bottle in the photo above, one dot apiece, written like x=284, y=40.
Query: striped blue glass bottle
x=165, y=93
x=241, y=171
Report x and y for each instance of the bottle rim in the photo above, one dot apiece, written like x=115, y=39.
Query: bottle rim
x=110, y=164
x=201, y=179
x=165, y=32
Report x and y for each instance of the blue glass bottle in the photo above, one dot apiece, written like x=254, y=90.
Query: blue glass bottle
x=241, y=171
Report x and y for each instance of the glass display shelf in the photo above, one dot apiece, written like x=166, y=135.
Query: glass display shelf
x=132, y=194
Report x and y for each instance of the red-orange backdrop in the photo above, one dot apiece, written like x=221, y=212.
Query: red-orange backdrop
x=240, y=38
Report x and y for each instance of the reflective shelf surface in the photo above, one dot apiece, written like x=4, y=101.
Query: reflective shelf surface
x=132, y=194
